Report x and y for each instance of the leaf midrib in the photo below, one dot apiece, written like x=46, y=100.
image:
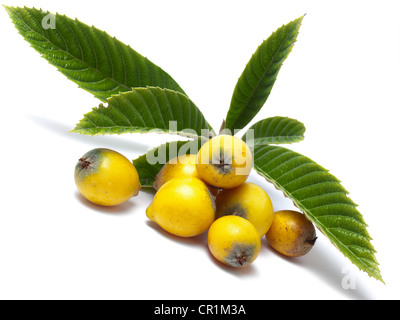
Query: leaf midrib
x=272, y=138
x=133, y=130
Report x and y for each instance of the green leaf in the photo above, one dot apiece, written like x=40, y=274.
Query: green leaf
x=323, y=199
x=275, y=130
x=97, y=62
x=143, y=110
x=256, y=82
x=150, y=164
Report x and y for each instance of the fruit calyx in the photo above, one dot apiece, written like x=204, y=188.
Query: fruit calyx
x=223, y=165
x=84, y=163
x=236, y=210
x=311, y=241
x=241, y=258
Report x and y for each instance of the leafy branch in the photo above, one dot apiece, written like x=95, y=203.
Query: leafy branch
x=143, y=98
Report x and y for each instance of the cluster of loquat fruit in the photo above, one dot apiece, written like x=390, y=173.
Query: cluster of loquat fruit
x=196, y=193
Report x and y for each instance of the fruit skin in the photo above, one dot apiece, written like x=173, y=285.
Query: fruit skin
x=106, y=177
x=248, y=201
x=183, y=206
x=181, y=166
x=224, y=162
x=234, y=241
x=291, y=233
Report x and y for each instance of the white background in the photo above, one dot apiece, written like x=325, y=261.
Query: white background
x=341, y=81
